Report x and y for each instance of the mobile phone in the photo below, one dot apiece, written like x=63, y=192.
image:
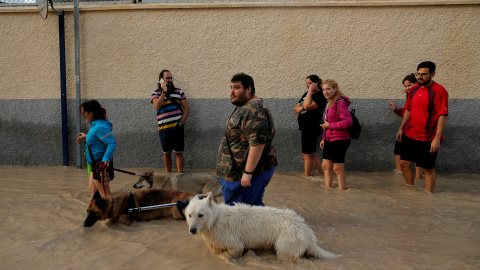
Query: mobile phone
x=161, y=81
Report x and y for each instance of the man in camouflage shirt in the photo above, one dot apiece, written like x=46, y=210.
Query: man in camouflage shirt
x=248, y=139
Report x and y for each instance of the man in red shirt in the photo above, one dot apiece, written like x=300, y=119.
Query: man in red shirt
x=424, y=120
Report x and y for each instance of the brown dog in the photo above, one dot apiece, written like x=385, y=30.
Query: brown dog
x=116, y=209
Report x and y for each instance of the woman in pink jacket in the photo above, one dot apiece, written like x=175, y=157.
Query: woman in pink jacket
x=336, y=138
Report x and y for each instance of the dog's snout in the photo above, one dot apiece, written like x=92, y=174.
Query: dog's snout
x=90, y=220
x=193, y=230
x=88, y=223
x=137, y=185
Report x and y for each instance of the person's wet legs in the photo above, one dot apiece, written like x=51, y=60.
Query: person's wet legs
x=339, y=169
x=430, y=179
x=397, y=163
x=317, y=162
x=308, y=164
x=179, y=159
x=167, y=160
x=102, y=188
x=407, y=172
x=418, y=172
x=328, y=171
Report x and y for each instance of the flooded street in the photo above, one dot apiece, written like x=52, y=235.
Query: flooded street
x=378, y=223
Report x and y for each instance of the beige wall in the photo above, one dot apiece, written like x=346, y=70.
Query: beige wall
x=367, y=48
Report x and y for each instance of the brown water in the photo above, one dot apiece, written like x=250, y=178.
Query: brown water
x=378, y=223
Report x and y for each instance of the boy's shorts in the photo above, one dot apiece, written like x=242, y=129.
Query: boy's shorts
x=418, y=152
x=398, y=148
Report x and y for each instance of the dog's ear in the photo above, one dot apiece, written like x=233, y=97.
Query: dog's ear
x=99, y=201
x=209, y=199
x=149, y=179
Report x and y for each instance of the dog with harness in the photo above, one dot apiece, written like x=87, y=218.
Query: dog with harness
x=124, y=207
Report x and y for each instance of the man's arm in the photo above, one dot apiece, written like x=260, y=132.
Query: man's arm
x=405, y=119
x=254, y=155
x=441, y=123
x=157, y=103
x=186, y=110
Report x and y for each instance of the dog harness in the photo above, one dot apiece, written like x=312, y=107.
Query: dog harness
x=130, y=208
x=131, y=204
x=182, y=205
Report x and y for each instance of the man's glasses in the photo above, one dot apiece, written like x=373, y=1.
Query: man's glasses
x=168, y=78
x=422, y=74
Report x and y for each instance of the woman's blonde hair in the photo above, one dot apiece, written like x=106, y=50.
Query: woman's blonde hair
x=337, y=94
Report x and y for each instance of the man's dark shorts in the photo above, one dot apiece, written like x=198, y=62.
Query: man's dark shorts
x=335, y=150
x=172, y=139
x=309, y=142
x=418, y=152
x=398, y=147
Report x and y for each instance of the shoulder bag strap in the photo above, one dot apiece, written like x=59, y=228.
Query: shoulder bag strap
x=336, y=107
x=174, y=101
x=90, y=152
x=234, y=163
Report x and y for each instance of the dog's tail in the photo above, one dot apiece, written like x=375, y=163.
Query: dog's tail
x=319, y=252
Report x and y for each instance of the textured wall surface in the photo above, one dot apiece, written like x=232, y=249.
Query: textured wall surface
x=367, y=49
x=33, y=137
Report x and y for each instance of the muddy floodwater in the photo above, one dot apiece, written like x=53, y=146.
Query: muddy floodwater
x=378, y=223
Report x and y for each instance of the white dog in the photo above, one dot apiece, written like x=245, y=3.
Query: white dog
x=235, y=228
x=185, y=182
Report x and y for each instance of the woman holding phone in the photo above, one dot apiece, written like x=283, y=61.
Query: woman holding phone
x=309, y=109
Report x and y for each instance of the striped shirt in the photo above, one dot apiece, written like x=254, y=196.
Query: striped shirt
x=169, y=114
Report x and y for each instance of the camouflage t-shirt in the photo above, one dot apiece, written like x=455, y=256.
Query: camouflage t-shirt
x=250, y=124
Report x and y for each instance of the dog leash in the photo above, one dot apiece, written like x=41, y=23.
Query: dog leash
x=234, y=194
x=148, y=176
x=179, y=204
x=127, y=172
x=101, y=170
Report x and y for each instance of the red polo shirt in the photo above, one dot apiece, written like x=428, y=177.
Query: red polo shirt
x=425, y=106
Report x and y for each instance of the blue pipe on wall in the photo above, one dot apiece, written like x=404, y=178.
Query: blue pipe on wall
x=63, y=84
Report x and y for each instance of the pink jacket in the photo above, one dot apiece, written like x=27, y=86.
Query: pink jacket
x=338, y=121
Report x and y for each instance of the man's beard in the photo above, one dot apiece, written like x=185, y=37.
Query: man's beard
x=424, y=82
x=170, y=88
x=242, y=99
